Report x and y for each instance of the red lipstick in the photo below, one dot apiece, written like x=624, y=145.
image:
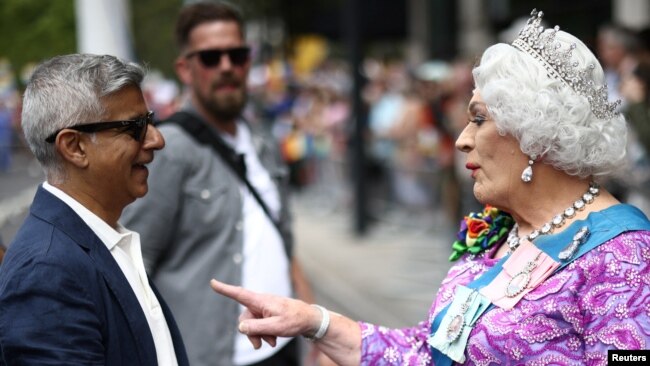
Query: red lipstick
x=473, y=167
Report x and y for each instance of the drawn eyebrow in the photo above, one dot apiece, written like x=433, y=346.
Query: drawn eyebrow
x=473, y=107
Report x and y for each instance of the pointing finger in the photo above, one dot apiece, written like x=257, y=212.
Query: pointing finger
x=239, y=294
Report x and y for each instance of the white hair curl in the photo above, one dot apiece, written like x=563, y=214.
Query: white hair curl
x=546, y=116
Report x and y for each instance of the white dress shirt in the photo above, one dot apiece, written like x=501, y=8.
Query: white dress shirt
x=124, y=246
x=265, y=267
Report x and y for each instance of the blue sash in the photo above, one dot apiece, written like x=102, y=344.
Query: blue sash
x=603, y=226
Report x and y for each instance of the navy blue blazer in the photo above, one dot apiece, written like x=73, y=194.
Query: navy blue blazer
x=64, y=299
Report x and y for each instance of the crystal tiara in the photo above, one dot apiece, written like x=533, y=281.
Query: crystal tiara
x=542, y=46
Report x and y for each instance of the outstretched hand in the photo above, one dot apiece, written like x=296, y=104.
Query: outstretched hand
x=268, y=316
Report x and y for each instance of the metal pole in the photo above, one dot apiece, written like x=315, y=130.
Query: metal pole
x=353, y=32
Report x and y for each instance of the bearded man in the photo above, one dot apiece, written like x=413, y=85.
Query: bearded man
x=217, y=205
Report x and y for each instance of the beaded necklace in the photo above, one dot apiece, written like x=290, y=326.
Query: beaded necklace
x=558, y=220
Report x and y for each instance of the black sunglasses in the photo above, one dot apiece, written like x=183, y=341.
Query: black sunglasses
x=137, y=128
x=211, y=58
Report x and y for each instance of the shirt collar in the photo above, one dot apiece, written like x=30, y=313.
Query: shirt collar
x=109, y=236
x=240, y=142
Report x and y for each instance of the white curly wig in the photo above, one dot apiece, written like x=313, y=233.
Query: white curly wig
x=546, y=116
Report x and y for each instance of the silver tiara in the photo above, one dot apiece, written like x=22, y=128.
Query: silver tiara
x=542, y=46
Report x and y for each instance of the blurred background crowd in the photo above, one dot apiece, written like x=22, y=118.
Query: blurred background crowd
x=403, y=98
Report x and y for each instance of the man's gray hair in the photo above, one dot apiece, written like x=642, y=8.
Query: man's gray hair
x=69, y=90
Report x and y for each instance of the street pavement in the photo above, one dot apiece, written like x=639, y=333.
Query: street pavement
x=388, y=276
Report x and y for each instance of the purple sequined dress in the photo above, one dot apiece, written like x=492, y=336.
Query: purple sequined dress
x=598, y=302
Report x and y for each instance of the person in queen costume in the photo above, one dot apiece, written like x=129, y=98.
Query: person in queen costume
x=555, y=270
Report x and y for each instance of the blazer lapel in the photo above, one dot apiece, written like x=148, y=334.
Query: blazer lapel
x=129, y=303
x=53, y=210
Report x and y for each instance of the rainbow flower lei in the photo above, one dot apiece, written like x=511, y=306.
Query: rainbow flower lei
x=481, y=231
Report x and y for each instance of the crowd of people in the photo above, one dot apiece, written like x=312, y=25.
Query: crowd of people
x=626, y=59
x=9, y=109
x=414, y=113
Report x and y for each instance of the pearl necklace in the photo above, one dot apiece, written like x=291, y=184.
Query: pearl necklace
x=558, y=220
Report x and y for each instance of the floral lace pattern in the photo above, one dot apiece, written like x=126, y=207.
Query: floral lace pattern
x=598, y=302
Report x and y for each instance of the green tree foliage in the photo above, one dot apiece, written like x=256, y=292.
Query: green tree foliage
x=33, y=30
x=153, y=32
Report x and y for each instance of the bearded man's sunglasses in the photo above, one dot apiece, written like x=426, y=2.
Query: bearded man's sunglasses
x=136, y=128
x=210, y=58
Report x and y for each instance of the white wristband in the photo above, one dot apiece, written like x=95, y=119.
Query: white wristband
x=324, y=324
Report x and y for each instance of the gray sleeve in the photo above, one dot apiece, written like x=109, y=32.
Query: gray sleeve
x=154, y=215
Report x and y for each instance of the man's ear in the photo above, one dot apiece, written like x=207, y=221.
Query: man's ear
x=183, y=70
x=72, y=147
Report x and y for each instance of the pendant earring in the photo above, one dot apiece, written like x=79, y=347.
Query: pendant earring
x=527, y=174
